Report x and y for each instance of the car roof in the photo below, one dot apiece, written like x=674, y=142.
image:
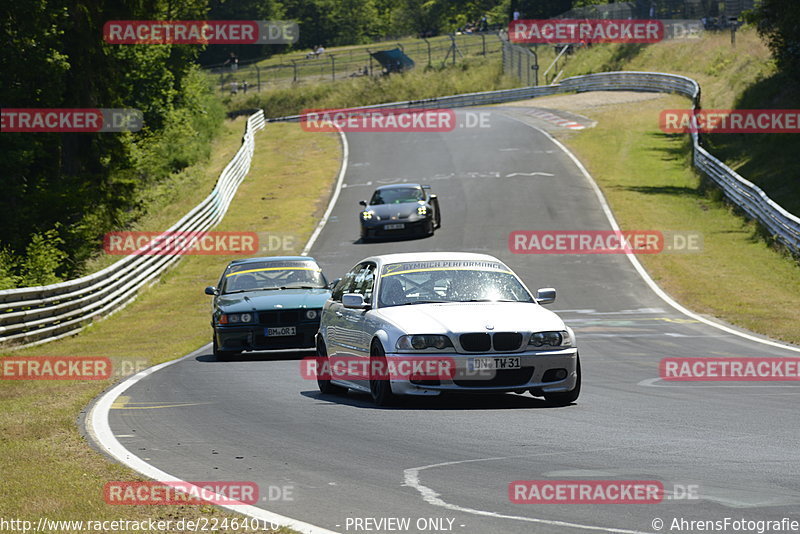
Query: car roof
x=272, y=258
x=402, y=257
x=398, y=186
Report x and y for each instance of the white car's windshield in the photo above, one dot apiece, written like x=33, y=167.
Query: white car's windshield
x=449, y=281
x=273, y=275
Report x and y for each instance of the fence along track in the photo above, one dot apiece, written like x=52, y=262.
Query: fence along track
x=33, y=315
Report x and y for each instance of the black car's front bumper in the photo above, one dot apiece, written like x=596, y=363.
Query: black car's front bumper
x=253, y=337
x=372, y=229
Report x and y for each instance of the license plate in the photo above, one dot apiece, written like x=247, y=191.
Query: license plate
x=281, y=331
x=478, y=364
x=394, y=226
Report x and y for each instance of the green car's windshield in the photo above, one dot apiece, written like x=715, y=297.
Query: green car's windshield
x=399, y=195
x=273, y=275
x=426, y=282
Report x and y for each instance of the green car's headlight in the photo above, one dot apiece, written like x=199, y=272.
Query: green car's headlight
x=424, y=342
x=551, y=339
x=235, y=318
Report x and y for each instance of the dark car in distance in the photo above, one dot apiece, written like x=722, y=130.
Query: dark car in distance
x=400, y=210
x=269, y=303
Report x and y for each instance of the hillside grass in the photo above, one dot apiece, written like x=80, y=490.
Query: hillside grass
x=468, y=76
x=650, y=184
x=731, y=77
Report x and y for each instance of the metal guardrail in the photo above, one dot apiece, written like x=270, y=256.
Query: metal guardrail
x=781, y=225
x=33, y=315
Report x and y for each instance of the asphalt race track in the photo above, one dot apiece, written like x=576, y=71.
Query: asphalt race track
x=732, y=445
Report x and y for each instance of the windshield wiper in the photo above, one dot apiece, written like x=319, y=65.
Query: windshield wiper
x=253, y=289
x=301, y=287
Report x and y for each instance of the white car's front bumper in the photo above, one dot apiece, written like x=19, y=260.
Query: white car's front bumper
x=534, y=365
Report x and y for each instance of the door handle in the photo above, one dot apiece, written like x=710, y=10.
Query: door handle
x=339, y=314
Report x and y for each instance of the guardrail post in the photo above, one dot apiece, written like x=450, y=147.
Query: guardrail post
x=333, y=69
x=294, y=71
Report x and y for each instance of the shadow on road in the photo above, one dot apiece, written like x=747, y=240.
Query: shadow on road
x=450, y=401
x=257, y=357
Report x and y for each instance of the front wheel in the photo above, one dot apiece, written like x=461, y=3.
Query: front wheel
x=380, y=389
x=567, y=397
x=222, y=355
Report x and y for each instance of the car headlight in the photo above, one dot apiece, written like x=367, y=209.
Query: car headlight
x=312, y=314
x=367, y=215
x=551, y=339
x=235, y=318
x=424, y=342
x=422, y=210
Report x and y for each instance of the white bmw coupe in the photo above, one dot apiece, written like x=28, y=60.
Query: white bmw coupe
x=428, y=323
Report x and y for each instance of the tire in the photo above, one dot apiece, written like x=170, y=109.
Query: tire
x=222, y=355
x=437, y=215
x=567, y=397
x=381, y=390
x=325, y=386
x=431, y=228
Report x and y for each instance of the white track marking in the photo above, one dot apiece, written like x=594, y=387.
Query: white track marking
x=99, y=428
x=334, y=197
x=638, y=266
x=654, y=383
x=411, y=479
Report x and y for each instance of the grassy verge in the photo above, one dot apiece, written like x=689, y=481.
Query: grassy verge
x=740, y=77
x=469, y=76
x=650, y=184
x=48, y=470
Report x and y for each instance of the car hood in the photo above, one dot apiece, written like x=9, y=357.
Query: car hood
x=267, y=300
x=471, y=317
x=401, y=211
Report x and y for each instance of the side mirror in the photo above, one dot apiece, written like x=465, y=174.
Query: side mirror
x=432, y=197
x=363, y=203
x=354, y=301
x=333, y=284
x=545, y=295
x=426, y=187
x=211, y=290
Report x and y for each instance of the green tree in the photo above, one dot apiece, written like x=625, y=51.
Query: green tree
x=778, y=23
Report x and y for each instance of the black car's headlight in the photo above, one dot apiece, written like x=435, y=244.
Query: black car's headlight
x=424, y=342
x=312, y=314
x=422, y=210
x=236, y=318
x=551, y=339
x=368, y=215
